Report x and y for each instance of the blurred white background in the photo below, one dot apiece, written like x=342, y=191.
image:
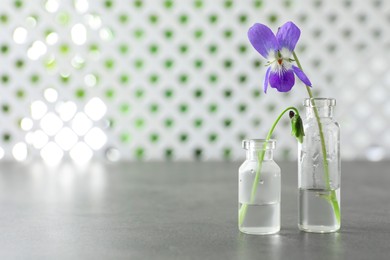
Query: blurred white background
x=178, y=80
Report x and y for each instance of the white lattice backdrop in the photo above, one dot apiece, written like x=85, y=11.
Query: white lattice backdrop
x=178, y=80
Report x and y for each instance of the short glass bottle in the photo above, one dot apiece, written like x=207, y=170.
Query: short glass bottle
x=259, y=197
x=319, y=176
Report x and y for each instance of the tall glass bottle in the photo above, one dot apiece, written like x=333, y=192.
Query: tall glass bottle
x=319, y=168
x=259, y=197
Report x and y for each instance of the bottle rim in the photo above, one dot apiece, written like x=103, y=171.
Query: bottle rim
x=258, y=144
x=319, y=102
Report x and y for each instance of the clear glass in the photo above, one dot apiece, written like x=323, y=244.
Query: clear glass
x=319, y=189
x=259, y=214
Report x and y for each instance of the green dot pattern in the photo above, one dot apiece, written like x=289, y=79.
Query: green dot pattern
x=179, y=79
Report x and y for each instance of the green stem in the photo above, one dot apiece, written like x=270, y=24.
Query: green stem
x=262, y=153
x=260, y=159
x=333, y=197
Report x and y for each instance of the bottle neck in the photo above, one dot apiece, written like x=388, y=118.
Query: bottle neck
x=253, y=154
x=324, y=107
x=326, y=111
x=255, y=147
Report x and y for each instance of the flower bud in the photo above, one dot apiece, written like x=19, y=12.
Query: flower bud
x=297, y=127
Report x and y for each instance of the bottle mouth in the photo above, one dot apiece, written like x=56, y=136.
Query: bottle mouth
x=319, y=102
x=258, y=144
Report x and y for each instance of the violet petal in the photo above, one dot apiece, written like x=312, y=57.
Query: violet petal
x=262, y=39
x=301, y=75
x=288, y=36
x=266, y=80
x=283, y=81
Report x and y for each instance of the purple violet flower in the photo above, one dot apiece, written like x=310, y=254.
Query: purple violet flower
x=278, y=49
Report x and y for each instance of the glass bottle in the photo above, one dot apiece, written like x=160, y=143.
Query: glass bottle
x=259, y=201
x=319, y=176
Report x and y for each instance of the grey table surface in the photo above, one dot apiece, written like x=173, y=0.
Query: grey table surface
x=176, y=211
